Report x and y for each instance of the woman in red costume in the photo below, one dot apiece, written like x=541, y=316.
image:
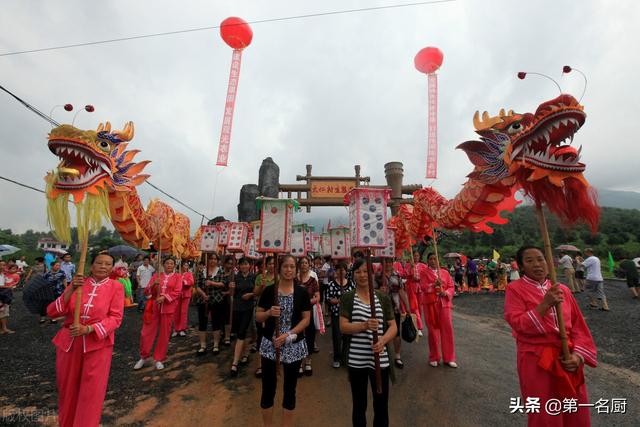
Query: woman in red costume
x=435, y=298
x=182, y=310
x=165, y=290
x=83, y=352
x=530, y=308
x=415, y=275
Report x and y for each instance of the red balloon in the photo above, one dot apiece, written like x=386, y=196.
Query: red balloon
x=236, y=32
x=428, y=60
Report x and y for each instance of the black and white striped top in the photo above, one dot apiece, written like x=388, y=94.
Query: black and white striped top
x=360, y=351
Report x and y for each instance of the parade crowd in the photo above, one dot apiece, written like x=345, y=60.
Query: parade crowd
x=236, y=302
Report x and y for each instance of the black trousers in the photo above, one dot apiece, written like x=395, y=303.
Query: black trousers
x=310, y=335
x=269, y=383
x=336, y=337
x=359, y=379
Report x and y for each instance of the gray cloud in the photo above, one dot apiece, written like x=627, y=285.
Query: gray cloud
x=331, y=91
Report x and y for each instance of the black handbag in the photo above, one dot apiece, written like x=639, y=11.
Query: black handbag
x=409, y=332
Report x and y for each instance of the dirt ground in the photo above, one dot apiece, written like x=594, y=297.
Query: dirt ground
x=195, y=391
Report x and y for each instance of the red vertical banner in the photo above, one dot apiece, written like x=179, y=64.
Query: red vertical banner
x=227, y=120
x=432, y=140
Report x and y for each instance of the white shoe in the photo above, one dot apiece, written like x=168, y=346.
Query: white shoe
x=420, y=334
x=336, y=364
x=159, y=366
x=182, y=333
x=433, y=364
x=452, y=364
x=139, y=364
x=174, y=334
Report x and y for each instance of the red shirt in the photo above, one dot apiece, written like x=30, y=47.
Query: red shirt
x=11, y=280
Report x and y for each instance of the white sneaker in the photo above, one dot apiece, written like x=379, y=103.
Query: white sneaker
x=433, y=364
x=420, y=334
x=139, y=364
x=182, y=333
x=174, y=334
x=159, y=366
x=336, y=364
x=452, y=364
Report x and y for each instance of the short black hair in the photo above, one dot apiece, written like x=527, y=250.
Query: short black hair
x=429, y=255
x=146, y=258
x=97, y=254
x=358, y=263
x=522, y=250
x=342, y=266
x=244, y=260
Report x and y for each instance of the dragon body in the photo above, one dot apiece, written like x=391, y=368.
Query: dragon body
x=95, y=162
x=532, y=152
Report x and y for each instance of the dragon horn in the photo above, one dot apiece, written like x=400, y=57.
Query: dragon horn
x=486, y=121
x=125, y=134
x=104, y=127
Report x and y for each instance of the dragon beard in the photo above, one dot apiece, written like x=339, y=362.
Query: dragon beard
x=574, y=200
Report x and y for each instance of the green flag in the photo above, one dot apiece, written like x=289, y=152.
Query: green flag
x=610, y=262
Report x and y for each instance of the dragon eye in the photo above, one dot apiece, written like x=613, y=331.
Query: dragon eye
x=104, y=145
x=514, y=127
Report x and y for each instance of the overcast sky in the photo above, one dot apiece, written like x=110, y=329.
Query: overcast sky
x=332, y=91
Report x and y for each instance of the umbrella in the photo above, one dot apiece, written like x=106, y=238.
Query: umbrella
x=123, y=251
x=55, y=251
x=8, y=250
x=569, y=248
x=453, y=255
x=38, y=294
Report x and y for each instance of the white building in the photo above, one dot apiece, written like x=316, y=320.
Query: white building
x=48, y=244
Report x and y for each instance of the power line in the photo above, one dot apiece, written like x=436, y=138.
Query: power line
x=213, y=27
x=178, y=201
x=50, y=120
x=21, y=184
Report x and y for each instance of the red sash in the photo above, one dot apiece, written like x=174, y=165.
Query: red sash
x=568, y=382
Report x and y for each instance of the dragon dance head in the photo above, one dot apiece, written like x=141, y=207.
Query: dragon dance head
x=535, y=150
x=93, y=160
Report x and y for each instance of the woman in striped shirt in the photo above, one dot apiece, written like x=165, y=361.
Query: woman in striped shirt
x=357, y=322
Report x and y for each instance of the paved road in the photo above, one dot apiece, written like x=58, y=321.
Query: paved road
x=476, y=394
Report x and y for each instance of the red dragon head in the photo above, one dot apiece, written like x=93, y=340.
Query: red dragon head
x=536, y=151
x=93, y=160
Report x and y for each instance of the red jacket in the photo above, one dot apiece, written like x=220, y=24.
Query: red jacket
x=187, y=284
x=169, y=286
x=102, y=307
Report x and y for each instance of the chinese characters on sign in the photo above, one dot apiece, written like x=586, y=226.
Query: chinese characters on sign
x=227, y=119
x=616, y=405
x=330, y=189
x=432, y=140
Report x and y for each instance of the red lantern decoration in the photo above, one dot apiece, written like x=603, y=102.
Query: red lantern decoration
x=89, y=108
x=237, y=34
x=68, y=107
x=428, y=61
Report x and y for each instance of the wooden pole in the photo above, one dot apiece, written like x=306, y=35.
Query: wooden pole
x=231, y=291
x=276, y=302
x=84, y=247
x=566, y=354
x=372, y=305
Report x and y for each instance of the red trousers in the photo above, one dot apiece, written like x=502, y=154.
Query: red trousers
x=82, y=384
x=181, y=318
x=536, y=382
x=149, y=332
x=414, y=308
x=440, y=338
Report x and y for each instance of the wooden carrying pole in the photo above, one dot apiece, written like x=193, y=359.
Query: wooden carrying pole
x=566, y=354
x=84, y=247
x=372, y=305
x=276, y=302
x=435, y=251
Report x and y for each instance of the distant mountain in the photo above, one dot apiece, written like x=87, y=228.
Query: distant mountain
x=619, y=199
